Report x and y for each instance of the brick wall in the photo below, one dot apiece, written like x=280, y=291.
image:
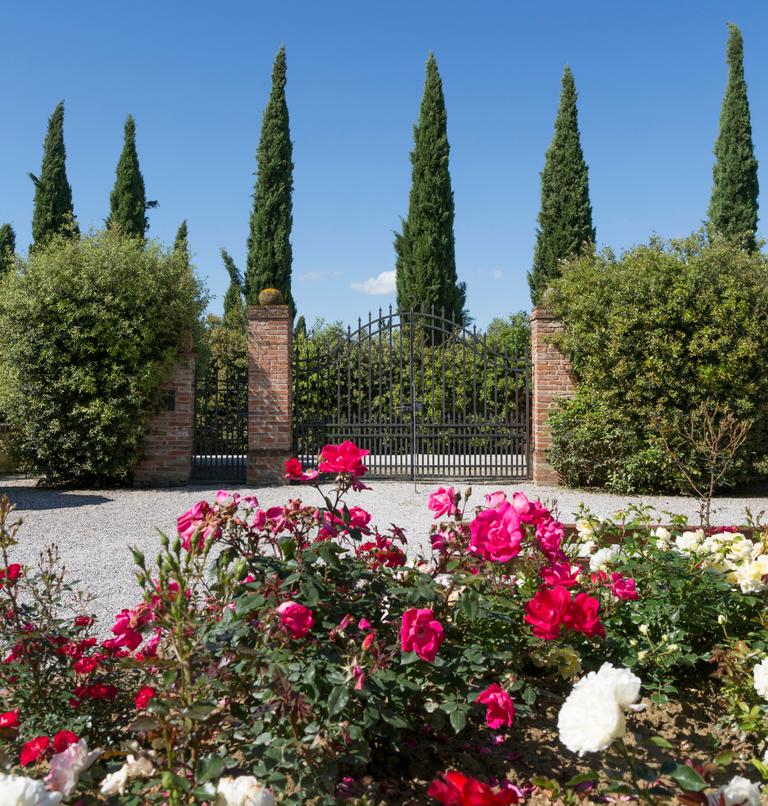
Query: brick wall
x=551, y=379
x=168, y=434
x=270, y=439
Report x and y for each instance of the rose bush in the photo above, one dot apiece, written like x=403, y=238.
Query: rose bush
x=295, y=653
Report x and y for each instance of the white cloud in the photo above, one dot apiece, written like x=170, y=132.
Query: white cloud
x=498, y=274
x=318, y=274
x=384, y=283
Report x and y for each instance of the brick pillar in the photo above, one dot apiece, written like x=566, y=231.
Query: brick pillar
x=551, y=379
x=270, y=438
x=168, y=434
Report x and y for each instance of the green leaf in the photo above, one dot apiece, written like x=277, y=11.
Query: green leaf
x=458, y=720
x=688, y=778
x=582, y=778
x=208, y=769
x=660, y=741
x=337, y=699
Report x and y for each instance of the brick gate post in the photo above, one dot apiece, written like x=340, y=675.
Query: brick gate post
x=168, y=433
x=270, y=437
x=552, y=379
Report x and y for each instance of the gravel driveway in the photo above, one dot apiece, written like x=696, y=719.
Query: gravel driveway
x=93, y=528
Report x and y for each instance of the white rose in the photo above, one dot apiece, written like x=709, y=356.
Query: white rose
x=760, y=677
x=663, y=536
x=593, y=715
x=245, y=790
x=689, y=542
x=749, y=576
x=66, y=767
x=585, y=528
x=115, y=782
x=739, y=792
x=15, y=790
x=586, y=548
x=603, y=557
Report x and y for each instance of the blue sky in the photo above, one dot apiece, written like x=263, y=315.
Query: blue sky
x=196, y=77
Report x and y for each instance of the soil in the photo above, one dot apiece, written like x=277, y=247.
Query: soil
x=531, y=750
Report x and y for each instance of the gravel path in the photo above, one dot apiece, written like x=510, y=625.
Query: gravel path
x=94, y=528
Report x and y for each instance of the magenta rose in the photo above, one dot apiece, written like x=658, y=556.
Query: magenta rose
x=296, y=619
x=529, y=511
x=499, y=708
x=560, y=573
x=421, y=633
x=623, y=587
x=443, y=502
x=343, y=458
x=549, y=535
x=547, y=611
x=496, y=533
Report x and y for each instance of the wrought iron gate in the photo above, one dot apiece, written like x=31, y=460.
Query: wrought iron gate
x=427, y=397
x=221, y=422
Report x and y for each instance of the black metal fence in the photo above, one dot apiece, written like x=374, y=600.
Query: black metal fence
x=427, y=397
x=221, y=423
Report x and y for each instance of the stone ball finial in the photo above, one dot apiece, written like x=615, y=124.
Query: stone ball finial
x=270, y=296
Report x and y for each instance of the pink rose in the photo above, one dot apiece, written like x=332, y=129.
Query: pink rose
x=443, y=502
x=623, y=587
x=546, y=611
x=549, y=536
x=421, y=633
x=499, y=708
x=560, y=573
x=343, y=458
x=296, y=619
x=529, y=511
x=494, y=499
x=496, y=533
x=582, y=616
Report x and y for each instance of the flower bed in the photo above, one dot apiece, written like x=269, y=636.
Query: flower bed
x=296, y=655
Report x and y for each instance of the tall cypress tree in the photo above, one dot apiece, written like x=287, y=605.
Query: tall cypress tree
x=128, y=200
x=235, y=313
x=269, y=242
x=181, y=242
x=425, y=266
x=7, y=248
x=53, y=211
x=565, y=219
x=733, y=206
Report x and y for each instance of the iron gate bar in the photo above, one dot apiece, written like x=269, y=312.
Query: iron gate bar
x=377, y=386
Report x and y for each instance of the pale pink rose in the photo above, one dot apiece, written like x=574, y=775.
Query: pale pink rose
x=65, y=767
x=494, y=499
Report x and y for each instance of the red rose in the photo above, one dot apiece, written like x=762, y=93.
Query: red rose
x=296, y=619
x=421, y=633
x=295, y=472
x=143, y=696
x=455, y=789
x=546, y=611
x=499, y=708
x=63, y=739
x=582, y=616
x=83, y=621
x=34, y=750
x=11, y=573
x=563, y=574
x=10, y=719
x=343, y=458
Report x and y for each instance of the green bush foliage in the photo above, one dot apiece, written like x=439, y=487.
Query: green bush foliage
x=651, y=335
x=89, y=328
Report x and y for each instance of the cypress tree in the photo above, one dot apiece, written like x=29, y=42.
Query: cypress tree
x=425, y=266
x=181, y=243
x=53, y=211
x=733, y=206
x=234, y=305
x=128, y=201
x=300, y=331
x=565, y=219
x=7, y=248
x=269, y=241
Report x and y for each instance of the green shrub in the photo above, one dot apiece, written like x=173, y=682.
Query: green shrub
x=651, y=335
x=89, y=328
